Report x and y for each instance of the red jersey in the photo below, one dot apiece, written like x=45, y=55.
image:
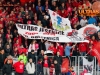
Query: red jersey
x=19, y=67
x=74, y=21
x=19, y=39
x=53, y=49
x=60, y=48
x=22, y=50
x=83, y=47
x=58, y=12
x=64, y=14
x=75, y=4
x=16, y=45
x=45, y=63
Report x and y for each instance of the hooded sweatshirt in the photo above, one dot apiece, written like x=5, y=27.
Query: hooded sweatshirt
x=19, y=67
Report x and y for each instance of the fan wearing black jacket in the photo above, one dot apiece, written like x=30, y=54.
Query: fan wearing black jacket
x=7, y=68
x=58, y=58
x=57, y=68
x=32, y=56
x=2, y=58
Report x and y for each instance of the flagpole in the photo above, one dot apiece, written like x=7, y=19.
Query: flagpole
x=88, y=52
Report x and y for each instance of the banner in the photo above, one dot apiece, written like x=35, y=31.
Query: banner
x=88, y=30
x=65, y=66
x=60, y=23
x=88, y=66
x=37, y=32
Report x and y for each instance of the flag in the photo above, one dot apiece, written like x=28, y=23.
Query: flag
x=65, y=66
x=96, y=51
x=59, y=23
x=88, y=66
x=88, y=30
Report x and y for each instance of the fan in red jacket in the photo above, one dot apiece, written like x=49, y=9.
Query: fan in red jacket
x=57, y=10
x=92, y=42
x=64, y=13
x=22, y=50
x=19, y=38
x=19, y=67
x=74, y=20
x=16, y=44
x=52, y=48
x=60, y=48
x=75, y=3
x=83, y=48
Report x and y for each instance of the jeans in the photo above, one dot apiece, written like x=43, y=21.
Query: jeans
x=46, y=71
x=81, y=60
x=83, y=53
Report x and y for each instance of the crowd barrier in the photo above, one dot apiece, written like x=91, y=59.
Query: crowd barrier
x=75, y=62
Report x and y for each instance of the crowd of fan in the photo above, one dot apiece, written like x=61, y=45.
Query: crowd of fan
x=35, y=12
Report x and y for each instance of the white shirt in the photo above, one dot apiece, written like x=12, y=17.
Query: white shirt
x=83, y=22
x=31, y=47
x=30, y=69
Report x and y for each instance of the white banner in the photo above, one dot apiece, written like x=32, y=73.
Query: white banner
x=37, y=32
x=88, y=66
x=60, y=23
x=88, y=30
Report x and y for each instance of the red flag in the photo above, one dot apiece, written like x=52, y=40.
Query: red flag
x=97, y=55
x=96, y=51
x=65, y=65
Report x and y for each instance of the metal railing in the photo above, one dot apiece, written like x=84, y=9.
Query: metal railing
x=75, y=62
x=80, y=68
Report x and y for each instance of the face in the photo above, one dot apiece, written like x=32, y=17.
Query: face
x=45, y=56
x=56, y=8
x=34, y=41
x=8, y=62
x=98, y=24
x=84, y=17
x=46, y=2
x=67, y=44
x=32, y=52
x=93, y=37
x=42, y=51
x=30, y=60
x=52, y=45
x=63, y=4
x=29, y=8
x=1, y=31
x=17, y=41
x=2, y=51
x=39, y=4
x=55, y=62
x=15, y=49
x=8, y=46
x=58, y=53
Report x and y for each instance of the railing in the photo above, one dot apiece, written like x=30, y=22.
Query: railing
x=80, y=68
x=75, y=62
